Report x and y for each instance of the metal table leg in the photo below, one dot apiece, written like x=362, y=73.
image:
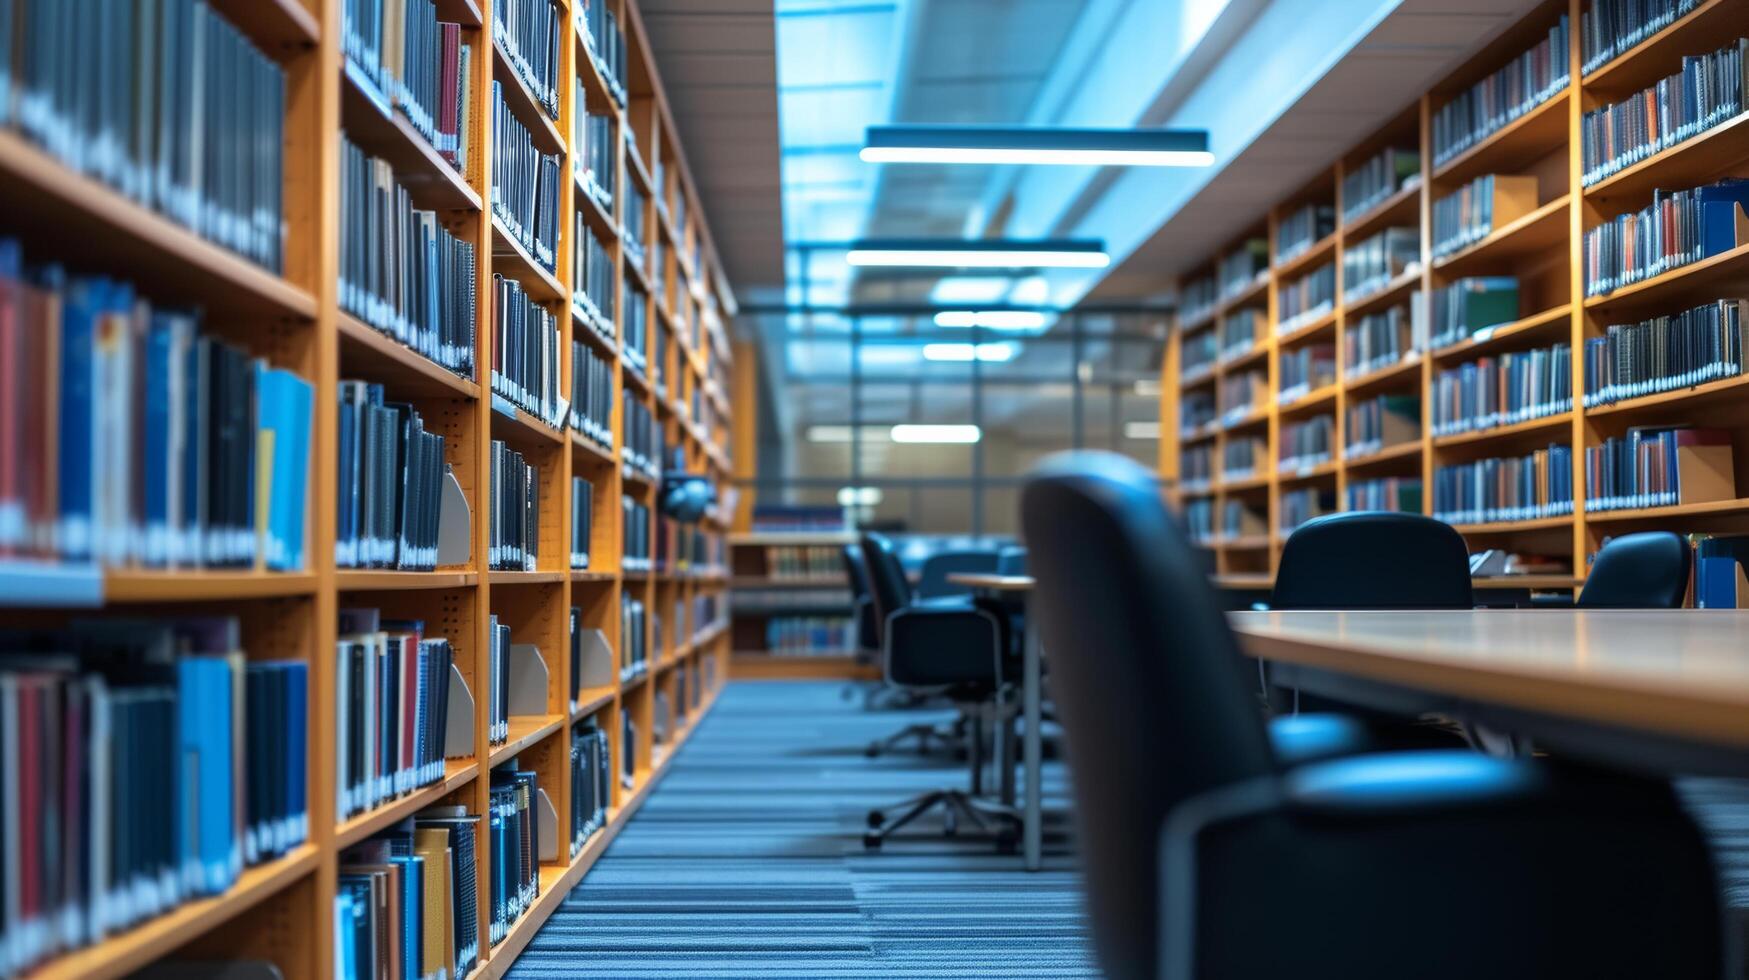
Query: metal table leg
x=1031, y=749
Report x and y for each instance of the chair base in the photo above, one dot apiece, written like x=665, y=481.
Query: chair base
x=989, y=818
x=930, y=738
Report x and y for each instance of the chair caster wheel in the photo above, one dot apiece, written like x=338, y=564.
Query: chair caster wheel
x=871, y=842
x=950, y=826
x=873, y=751
x=875, y=819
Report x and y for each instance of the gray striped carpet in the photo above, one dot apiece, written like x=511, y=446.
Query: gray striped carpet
x=747, y=861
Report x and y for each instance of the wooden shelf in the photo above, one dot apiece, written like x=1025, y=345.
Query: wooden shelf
x=272, y=24
x=1530, y=137
x=384, y=132
x=1549, y=325
x=537, y=281
x=499, y=578
x=1307, y=330
x=1249, y=542
x=1252, y=292
x=521, y=430
x=1405, y=370
x=1702, y=29
x=525, y=731
x=585, y=449
x=1305, y=474
x=125, y=952
x=592, y=699
x=1503, y=432
x=1242, y=484
x=456, y=773
x=77, y=218
x=1311, y=400
x=347, y=580
x=1387, y=455
x=522, y=104
x=1324, y=249
x=1400, y=210
x=1258, y=351
x=1256, y=417
x=368, y=353
x=1384, y=298
x=1711, y=508
x=1516, y=527
x=1697, y=282
x=1533, y=235
x=1690, y=163
x=1697, y=396
x=587, y=575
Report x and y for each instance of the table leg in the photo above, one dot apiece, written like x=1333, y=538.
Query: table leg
x=1032, y=748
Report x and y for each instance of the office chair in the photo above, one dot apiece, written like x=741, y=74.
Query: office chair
x=957, y=651
x=929, y=736
x=1648, y=570
x=868, y=642
x=1011, y=561
x=1205, y=855
x=932, y=581
x=1373, y=560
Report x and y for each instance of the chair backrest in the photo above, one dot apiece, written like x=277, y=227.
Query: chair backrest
x=1147, y=679
x=867, y=634
x=1373, y=560
x=1011, y=561
x=933, y=583
x=887, y=585
x=1648, y=570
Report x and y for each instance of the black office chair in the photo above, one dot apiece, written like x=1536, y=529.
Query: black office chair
x=932, y=580
x=1011, y=561
x=1648, y=570
x=929, y=736
x=1206, y=856
x=872, y=693
x=957, y=651
x=1373, y=560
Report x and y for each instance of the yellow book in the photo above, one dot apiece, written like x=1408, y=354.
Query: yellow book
x=432, y=844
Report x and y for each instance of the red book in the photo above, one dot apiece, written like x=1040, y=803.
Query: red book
x=448, y=90
x=30, y=751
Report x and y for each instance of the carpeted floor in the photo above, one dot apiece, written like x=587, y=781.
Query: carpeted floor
x=747, y=861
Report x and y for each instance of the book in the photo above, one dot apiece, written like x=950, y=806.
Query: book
x=1377, y=423
x=1376, y=262
x=528, y=33
x=591, y=781
x=1385, y=339
x=525, y=353
x=1695, y=346
x=390, y=476
x=525, y=182
x=1300, y=229
x=514, y=532
x=1244, y=266
x=1305, y=369
x=1678, y=228
x=582, y=515
x=1401, y=494
x=1474, y=211
x=1653, y=467
x=634, y=640
x=592, y=393
x=391, y=709
x=1707, y=92
x=1609, y=29
x=1516, y=88
x=1536, y=485
x=1306, y=443
x=1306, y=299
x=1372, y=182
x=1502, y=389
x=1468, y=307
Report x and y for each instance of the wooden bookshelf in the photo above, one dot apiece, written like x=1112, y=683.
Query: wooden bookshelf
x=1544, y=248
x=283, y=910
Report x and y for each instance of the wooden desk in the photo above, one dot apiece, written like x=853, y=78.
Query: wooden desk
x=1664, y=688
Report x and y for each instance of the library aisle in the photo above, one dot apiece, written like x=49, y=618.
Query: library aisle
x=747, y=860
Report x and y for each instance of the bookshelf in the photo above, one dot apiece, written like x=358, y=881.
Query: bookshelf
x=792, y=578
x=283, y=909
x=1543, y=247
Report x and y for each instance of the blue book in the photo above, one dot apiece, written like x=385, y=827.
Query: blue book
x=297, y=721
x=196, y=417
x=1715, y=583
x=1719, y=205
x=284, y=403
x=83, y=304
x=412, y=912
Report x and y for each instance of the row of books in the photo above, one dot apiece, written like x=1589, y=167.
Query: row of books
x=390, y=480
x=1373, y=182
x=1380, y=422
x=513, y=801
x=401, y=271
x=1199, y=520
x=195, y=756
x=606, y=41
x=1373, y=264
x=130, y=437
x=525, y=353
x=643, y=437
x=1241, y=268
x=1243, y=394
x=591, y=410
x=1469, y=214
x=1240, y=457
x=779, y=601
x=1240, y=519
x=637, y=326
x=1305, y=369
x=809, y=636
x=633, y=217
x=1198, y=352
x=406, y=902
x=530, y=33
x=1307, y=443
x=1197, y=299
x=1196, y=466
x=1306, y=226
x=514, y=538
x=1196, y=409
x=786, y=519
x=592, y=274
x=1503, y=389
x=582, y=514
x=499, y=652
x=1677, y=228
x=1524, y=83
x=1240, y=332
x=1698, y=345
x=591, y=781
x=634, y=637
x=1307, y=298
x=525, y=184
x=1385, y=339
x=415, y=65
x=597, y=151
x=1652, y=467
x=1609, y=29
x=391, y=709
x=1536, y=485
x=191, y=125
x=1466, y=307
x=1300, y=506
x=1707, y=92
x=1393, y=493
x=635, y=518
x=804, y=563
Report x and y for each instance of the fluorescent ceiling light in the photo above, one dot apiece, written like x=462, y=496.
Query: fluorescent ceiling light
x=1141, y=430
x=842, y=433
x=936, y=434
x=994, y=319
x=979, y=254
x=995, y=353
x=1037, y=145
x=969, y=289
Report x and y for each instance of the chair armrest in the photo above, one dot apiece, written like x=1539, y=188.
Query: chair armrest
x=1437, y=864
